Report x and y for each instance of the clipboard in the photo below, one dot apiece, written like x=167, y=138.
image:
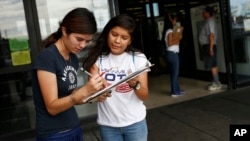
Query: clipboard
x=94, y=97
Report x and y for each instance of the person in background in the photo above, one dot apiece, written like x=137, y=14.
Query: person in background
x=54, y=80
x=208, y=39
x=172, y=52
x=122, y=116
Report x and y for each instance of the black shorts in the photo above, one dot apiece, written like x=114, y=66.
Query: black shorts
x=209, y=61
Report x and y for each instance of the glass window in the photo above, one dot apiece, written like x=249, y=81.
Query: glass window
x=240, y=15
x=50, y=14
x=14, y=61
x=14, y=46
x=242, y=52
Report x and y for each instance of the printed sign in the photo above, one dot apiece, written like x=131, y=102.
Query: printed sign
x=20, y=57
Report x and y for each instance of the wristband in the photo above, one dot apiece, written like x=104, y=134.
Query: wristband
x=136, y=86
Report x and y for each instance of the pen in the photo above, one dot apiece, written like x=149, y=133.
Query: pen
x=88, y=73
x=102, y=73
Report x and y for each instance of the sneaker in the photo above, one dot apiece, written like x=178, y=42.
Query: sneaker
x=182, y=92
x=214, y=86
x=177, y=94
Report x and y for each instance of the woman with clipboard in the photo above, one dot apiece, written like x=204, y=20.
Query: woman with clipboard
x=54, y=78
x=122, y=116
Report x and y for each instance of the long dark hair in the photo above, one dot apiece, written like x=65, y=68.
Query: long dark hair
x=78, y=20
x=101, y=46
x=168, y=23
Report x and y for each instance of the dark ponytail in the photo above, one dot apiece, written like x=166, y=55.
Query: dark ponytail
x=79, y=20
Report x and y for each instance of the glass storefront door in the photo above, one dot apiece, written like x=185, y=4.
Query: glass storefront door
x=15, y=61
x=240, y=25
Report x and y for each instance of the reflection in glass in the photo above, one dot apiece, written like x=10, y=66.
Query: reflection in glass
x=242, y=52
x=14, y=51
x=240, y=15
x=50, y=14
x=14, y=47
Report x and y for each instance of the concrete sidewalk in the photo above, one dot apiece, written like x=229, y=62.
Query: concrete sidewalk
x=204, y=119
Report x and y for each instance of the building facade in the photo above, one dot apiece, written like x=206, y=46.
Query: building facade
x=24, y=24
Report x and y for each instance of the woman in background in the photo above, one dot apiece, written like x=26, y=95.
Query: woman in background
x=172, y=53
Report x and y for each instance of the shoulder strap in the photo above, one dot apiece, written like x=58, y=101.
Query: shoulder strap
x=133, y=56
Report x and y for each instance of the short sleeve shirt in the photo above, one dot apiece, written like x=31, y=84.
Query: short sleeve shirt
x=123, y=108
x=208, y=27
x=66, y=74
x=173, y=48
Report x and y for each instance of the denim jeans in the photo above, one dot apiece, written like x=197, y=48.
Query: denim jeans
x=172, y=59
x=135, y=132
x=71, y=135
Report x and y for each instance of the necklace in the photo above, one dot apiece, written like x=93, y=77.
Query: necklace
x=61, y=49
x=68, y=62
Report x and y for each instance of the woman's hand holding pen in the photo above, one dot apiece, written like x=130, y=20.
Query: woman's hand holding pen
x=98, y=83
x=95, y=83
x=104, y=96
x=92, y=78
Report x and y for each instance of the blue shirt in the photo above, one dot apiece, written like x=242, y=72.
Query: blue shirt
x=66, y=74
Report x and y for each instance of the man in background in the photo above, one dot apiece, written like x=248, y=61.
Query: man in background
x=207, y=39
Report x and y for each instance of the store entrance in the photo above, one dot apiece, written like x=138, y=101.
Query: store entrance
x=190, y=17
x=240, y=42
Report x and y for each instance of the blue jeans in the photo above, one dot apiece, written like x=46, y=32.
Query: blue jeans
x=173, y=61
x=135, y=132
x=74, y=134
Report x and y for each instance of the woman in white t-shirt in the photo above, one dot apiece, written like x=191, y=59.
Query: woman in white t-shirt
x=172, y=53
x=122, y=116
